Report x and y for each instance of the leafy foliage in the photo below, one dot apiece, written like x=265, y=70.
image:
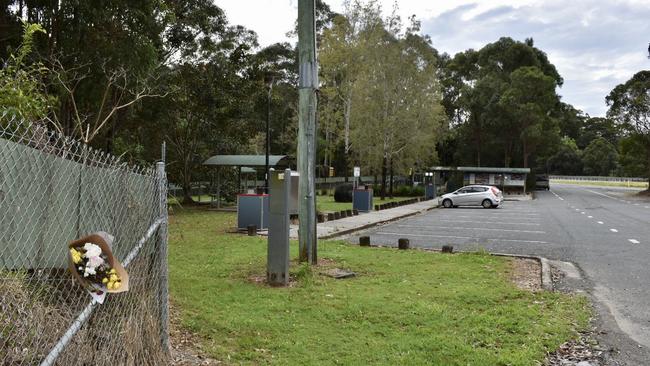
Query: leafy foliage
x=599, y=158
x=22, y=84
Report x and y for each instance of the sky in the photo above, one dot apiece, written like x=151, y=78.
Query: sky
x=595, y=44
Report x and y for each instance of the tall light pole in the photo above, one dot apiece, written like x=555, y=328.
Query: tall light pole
x=307, y=104
x=268, y=133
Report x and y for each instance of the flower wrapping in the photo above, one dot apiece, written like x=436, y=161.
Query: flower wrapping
x=94, y=266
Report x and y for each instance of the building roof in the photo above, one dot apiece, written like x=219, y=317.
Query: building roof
x=473, y=169
x=248, y=160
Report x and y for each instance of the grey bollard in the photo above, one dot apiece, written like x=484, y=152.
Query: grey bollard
x=447, y=249
x=355, y=212
x=364, y=241
x=377, y=207
x=252, y=230
x=348, y=213
x=337, y=215
x=321, y=218
x=330, y=216
x=277, y=265
x=403, y=243
x=344, y=214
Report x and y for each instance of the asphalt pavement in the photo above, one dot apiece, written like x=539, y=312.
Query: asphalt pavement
x=605, y=232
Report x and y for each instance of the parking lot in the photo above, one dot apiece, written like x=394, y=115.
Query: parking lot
x=513, y=227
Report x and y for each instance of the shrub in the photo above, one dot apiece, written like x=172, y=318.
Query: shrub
x=343, y=193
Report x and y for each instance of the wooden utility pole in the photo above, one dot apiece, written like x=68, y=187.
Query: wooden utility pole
x=307, y=85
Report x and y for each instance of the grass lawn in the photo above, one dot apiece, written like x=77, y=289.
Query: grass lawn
x=404, y=307
x=643, y=185
x=327, y=203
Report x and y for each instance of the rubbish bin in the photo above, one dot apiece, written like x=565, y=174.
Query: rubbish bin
x=253, y=209
x=362, y=199
x=429, y=191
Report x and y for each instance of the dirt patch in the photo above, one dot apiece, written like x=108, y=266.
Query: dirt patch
x=185, y=345
x=323, y=265
x=526, y=274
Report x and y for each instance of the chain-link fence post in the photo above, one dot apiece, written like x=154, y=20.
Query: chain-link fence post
x=162, y=248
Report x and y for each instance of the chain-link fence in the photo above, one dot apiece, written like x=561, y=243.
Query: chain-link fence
x=52, y=191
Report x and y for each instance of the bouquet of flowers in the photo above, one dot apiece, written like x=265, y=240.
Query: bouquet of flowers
x=92, y=263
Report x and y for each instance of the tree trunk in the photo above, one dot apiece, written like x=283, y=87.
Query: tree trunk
x=345, y=167
x=346, y=132
x=525, y=149
x=383, y=179
x=187, y=182
x=647, y=149
x=390, y=191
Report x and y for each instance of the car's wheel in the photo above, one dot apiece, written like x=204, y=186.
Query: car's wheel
x=486, y=203
x=447, y=203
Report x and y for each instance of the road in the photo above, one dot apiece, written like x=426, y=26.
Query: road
x=605, y=232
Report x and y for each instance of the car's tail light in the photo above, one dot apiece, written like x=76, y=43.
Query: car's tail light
x=495, y=191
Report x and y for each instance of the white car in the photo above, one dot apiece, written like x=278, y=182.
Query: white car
x=474, y=195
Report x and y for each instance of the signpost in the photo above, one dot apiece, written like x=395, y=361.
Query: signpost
x=357, y=174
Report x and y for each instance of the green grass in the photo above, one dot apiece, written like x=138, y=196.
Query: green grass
x=643, y=185
x=404, y=307
x=327, y=203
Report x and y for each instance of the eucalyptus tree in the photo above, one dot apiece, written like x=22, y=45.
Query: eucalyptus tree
x=629, y=105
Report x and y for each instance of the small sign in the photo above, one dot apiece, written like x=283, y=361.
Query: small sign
x=357, y=171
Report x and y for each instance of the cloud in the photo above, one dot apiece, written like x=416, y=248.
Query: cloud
x=594, y=45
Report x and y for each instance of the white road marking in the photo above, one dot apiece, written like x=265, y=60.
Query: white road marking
x=613, y=230
x=604, y=195
x=474, y=228
x=647, y=207
x=600, y=222
x=591, y=217
x=558, y=197
x=582, y=212
x=633, y=241
x=577, y=209
x=492, y=222
x=636, y=204
x=480, y=217
x=459, y=237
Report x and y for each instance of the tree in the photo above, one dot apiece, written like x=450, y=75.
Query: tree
x=599, y=158
x=629, y=105
x=397, y=118
x=632, y=160
x=567, y=160
x=529, y=101
x=22, y=87
x=497, y=118
x=596, y=127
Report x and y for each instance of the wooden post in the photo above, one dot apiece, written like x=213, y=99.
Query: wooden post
x=307, y=84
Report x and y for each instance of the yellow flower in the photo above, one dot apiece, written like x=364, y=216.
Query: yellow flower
x=104, y=280
x=114, y=278
x=76, y=256
x=112, y=271
x=117, y=285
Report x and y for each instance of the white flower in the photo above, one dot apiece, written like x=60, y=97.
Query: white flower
x=95, y=261
x=92, y=250
x=89, y=271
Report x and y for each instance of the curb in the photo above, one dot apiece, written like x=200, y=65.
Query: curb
x=367, y=226
x=547, y=280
